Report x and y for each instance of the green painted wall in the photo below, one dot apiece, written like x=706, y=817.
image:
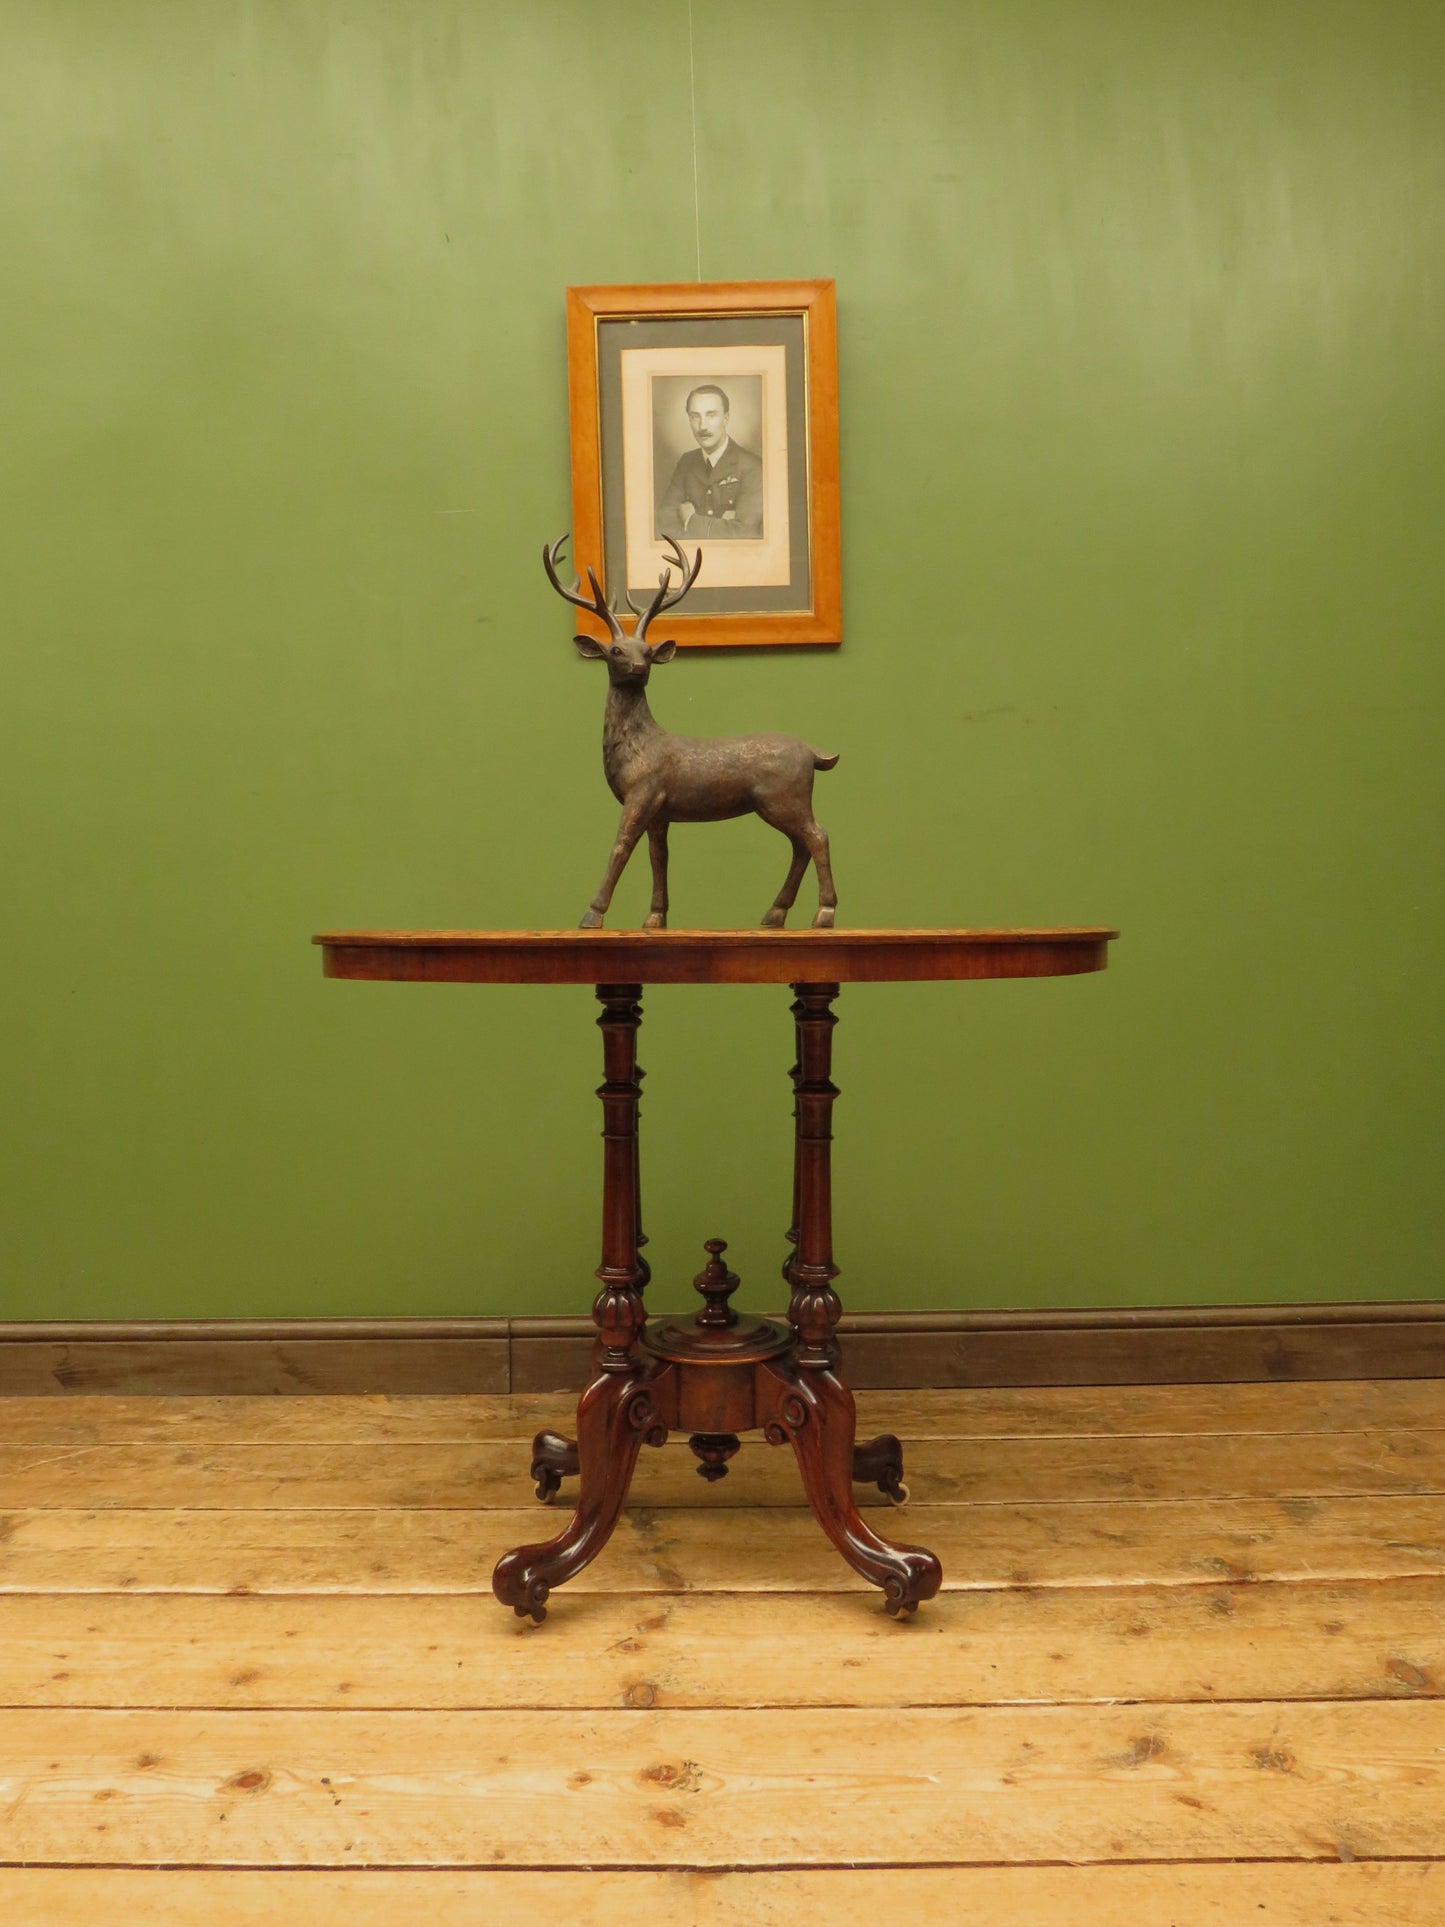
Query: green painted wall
x=1140, y=314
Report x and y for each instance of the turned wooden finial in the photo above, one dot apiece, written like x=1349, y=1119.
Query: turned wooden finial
x=717, y=1284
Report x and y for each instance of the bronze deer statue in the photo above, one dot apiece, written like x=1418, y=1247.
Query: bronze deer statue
x=661, y=779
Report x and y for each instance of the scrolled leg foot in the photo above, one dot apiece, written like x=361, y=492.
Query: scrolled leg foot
x=618, y=1411
x=534, y=1602
x=553, y=1459
x=905, y=1593
x=812, y=1410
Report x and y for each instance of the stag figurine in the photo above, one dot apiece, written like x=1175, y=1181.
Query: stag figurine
x=661, y=779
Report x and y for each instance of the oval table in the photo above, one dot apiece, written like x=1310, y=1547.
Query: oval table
x=718, y=1373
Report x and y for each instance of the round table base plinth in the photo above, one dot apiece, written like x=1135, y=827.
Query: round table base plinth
x=682, y=1342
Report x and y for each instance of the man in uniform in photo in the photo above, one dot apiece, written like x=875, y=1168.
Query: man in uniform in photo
x=717, y=488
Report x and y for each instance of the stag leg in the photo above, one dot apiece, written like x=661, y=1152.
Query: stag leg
x=629, y=830
x=783, y=902
x=656, y=918
x=816, y=839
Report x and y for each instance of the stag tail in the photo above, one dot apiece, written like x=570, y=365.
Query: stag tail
x=826, y=762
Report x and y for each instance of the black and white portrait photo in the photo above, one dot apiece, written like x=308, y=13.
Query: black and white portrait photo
x=706, y=415
x=706, y=460
x=707, y=468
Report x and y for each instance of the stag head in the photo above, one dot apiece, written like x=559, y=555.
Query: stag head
x=629, y=659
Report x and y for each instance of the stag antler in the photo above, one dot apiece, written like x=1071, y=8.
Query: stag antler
x=598, y=607
x=663, y=599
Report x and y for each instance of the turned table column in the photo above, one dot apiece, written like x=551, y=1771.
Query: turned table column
x=802, y=1401
x=631, y=1399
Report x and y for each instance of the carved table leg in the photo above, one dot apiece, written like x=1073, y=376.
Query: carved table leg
x=795, y=1074
x=618, y=1411
x=814, y=1309
x=554, y=1457
x=802, y=1400
x=629, y=1399
x=812, y=1410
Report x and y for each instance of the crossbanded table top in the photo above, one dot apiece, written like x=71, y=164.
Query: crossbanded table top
x=710, y=956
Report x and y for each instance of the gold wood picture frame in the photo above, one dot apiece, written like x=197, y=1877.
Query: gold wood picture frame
x=707, y=413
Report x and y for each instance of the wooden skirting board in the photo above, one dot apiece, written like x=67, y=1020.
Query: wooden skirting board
x=882, y=1350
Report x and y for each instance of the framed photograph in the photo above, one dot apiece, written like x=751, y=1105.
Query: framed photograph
x=708, y=412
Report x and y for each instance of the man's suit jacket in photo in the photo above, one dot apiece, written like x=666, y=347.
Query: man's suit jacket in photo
x=727, y=499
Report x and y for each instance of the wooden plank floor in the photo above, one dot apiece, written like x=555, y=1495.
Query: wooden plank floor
x=1187, y=1667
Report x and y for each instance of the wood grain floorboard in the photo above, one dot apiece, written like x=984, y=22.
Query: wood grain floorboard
x=1307, y=1641
x=725, y=1787
x=766, y=1549
x=1239, y=1411
x=1402, y=1894
x=1188, y=1668
x=495, y=1474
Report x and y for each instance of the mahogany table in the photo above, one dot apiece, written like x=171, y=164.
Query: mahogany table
x=718, y=1373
